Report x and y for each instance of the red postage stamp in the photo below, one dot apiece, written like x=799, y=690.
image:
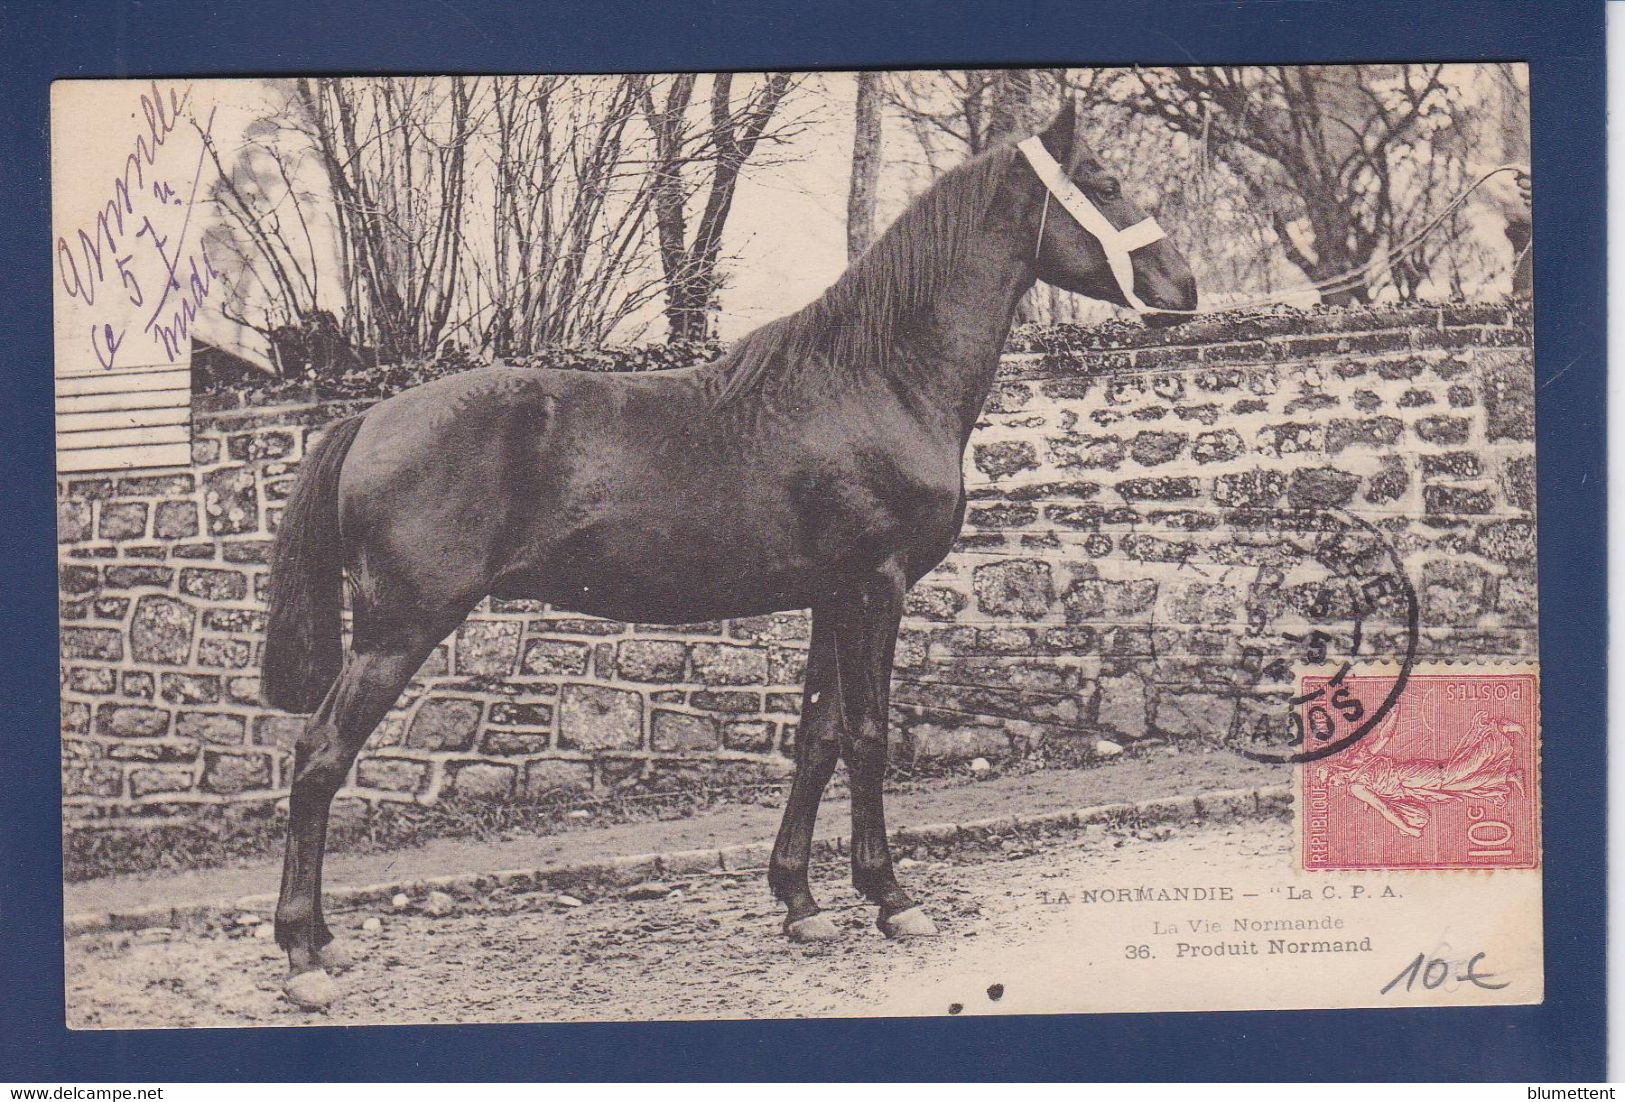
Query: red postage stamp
x=1447, y=778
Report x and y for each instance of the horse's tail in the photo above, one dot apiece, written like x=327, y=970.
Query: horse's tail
x=304, y=646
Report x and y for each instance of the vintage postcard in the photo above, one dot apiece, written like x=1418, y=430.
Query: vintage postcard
x=565, y=548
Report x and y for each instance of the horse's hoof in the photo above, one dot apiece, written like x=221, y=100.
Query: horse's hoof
x=815, y=927
x=313, y=990
x=913, y=922
x=337, y=956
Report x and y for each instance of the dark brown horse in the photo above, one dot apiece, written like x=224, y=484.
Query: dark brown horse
x=817, y=465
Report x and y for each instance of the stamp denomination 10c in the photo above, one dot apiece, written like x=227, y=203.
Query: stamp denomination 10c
x=1448, y=779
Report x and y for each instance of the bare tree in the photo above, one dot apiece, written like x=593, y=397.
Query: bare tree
x=509, y=214
x=565, y=257
x=1260, y=175
x=1021, y=98
x=701, y=161
x=863, y=191
x=949, y=113
x=502, y=214
x=395, y=153
x=273, y=232
x=263, y=226
x=1504, y=121
x=1324, y=150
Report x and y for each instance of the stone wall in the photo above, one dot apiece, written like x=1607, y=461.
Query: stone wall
x=1122, y=487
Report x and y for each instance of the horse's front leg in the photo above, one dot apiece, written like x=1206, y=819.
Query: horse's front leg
x=865, y=640
x=818, y=748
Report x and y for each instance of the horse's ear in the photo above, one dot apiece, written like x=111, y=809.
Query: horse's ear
x=1060, y=136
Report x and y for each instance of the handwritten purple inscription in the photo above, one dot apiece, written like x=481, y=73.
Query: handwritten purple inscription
x=120, y=249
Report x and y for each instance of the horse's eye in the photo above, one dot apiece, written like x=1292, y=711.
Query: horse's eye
x=1110, y=188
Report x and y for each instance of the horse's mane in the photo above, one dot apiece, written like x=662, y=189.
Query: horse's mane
x=860, y=315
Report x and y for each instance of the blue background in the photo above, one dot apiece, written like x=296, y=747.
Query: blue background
x=1563, y=42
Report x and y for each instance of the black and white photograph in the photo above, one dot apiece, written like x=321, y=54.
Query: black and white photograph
x=759, y=545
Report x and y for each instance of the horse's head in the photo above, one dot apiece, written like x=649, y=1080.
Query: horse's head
x=1097, y=246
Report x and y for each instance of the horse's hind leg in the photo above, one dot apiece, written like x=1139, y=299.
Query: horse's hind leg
x=865, y=641
x=365, y=690
x=818, y=748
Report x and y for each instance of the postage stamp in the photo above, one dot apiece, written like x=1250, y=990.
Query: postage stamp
x=1448, y=777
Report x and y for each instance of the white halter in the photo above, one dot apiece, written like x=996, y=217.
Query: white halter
x=1117, y=244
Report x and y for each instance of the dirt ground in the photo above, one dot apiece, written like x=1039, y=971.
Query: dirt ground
x=1138, y=775
x=702, y=947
